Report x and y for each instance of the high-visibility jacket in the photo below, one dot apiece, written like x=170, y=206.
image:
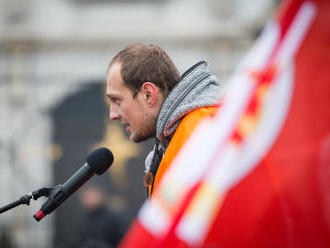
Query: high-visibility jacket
x=182, y=133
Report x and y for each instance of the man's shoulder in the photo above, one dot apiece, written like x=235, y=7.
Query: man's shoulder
x=195, y=116
x=190, y=121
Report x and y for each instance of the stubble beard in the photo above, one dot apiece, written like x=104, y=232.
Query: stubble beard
x=147, y=132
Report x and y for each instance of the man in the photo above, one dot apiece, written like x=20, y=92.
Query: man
x=150, y=99
x=102, y=227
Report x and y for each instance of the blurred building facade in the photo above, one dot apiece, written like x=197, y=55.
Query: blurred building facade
x=51, y=49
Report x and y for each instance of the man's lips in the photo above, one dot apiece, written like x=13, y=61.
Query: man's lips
x=127, y=127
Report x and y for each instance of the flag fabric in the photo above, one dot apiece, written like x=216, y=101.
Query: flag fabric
x=258, y=173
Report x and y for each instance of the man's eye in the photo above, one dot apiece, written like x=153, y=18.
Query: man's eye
x=116, y=101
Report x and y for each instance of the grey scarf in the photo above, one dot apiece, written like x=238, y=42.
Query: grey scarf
x=197, y=88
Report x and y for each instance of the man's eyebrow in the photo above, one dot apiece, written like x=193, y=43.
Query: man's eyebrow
x=109, y=94
x=113, y=96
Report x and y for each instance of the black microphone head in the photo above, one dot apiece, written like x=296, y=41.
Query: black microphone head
x=100, y=160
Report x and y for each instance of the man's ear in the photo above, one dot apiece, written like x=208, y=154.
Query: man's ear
x=150, y=92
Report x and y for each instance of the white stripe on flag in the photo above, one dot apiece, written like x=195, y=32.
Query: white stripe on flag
x=296, y=33
x=236, y=161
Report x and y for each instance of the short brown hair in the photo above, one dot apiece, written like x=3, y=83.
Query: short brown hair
x=146, y=63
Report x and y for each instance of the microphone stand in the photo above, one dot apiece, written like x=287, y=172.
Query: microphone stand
x=25, y=199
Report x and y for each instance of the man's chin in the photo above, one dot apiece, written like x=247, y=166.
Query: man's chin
x=137, y=138
x=134, y=138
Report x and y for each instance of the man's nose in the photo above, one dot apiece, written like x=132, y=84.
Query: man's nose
x=113, y=115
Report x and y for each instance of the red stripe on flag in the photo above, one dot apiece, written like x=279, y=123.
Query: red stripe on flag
x=285, y=202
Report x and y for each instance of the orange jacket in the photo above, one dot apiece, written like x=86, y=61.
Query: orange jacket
x=182, y=133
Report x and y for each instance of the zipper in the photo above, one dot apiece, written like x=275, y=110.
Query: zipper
x=193, y=68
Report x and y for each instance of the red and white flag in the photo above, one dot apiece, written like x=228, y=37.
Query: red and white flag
x=258, y=173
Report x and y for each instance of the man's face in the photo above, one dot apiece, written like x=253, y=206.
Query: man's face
x=133, y=112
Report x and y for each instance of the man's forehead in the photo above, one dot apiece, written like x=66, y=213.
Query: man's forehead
x=114, y=79
x=114, y=72
x=113, y=90
x=115, y=84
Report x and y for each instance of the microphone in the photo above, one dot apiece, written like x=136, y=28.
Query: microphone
x=96, y=163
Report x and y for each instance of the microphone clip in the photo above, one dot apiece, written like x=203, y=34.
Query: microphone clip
x=35, y=195
x=47, y=192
